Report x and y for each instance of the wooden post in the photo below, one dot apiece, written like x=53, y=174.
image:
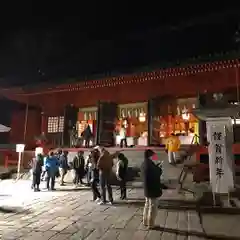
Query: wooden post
x=237, y=82
x=25, y=123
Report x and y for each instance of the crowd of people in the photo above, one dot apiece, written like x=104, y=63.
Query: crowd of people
x=98, y=170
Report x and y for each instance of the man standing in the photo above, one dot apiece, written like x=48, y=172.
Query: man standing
x=78, y=167
x=63, y=166
x=105, y=164
x=51, y=166
x=36, y=165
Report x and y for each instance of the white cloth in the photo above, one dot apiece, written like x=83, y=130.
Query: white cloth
x=122, y=133
x=4, y=128
x=97, y=148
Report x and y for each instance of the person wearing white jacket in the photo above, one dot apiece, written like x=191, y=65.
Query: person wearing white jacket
x=123, y=138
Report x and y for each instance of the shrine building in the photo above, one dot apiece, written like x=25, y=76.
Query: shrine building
x=151, y=104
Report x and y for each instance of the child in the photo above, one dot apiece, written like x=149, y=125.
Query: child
x=122, y=166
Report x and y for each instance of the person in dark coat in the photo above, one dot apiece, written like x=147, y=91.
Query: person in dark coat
x=152, y=188
x=36, y=165
x=87, y=136
x=78, y=165
x=95, y=175
x=121, y=173
x=63, y=166
x=88, y=167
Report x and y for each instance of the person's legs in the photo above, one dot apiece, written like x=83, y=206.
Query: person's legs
x=102, y=180
x=174, y=154
x=109, y=188
x=123, y=189
x=96, y=193
x=153, y=206
x=34, y=179
x=145, y=212
x=62, y=173
x=47, y=179
x=125, y=142
x=53, y=176
x=78, y=176
x=87, y=141
x=89, y=172
x=81, y=174
x=170, y=157
x=121, y=143
x=74, y=174
x=43, y=175
x=38, y=180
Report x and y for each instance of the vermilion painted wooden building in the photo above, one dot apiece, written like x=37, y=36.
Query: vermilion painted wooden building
x=154, y=104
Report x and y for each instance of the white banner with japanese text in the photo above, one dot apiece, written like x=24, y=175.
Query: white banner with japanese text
x=221, y=160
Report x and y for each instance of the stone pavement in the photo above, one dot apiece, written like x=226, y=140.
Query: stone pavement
x=68, y=213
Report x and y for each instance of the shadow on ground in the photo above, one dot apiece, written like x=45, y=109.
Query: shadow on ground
x=199, y=206
x=16, y=210
x=195, y=233
x=137, y=203
x=72, y=189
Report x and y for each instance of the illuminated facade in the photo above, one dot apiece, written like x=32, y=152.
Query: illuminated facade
x=155, y=104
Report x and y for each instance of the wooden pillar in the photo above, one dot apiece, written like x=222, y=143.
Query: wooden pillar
x=43, y=123
x=25, y=123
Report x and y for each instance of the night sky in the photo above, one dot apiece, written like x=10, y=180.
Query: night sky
x=54, y=43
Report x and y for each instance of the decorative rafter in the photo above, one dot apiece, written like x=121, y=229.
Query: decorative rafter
x=134, y=79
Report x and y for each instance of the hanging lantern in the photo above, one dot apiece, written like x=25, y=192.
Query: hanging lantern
x=142, y=117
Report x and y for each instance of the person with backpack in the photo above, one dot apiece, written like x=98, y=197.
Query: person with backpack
x=121, y=173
